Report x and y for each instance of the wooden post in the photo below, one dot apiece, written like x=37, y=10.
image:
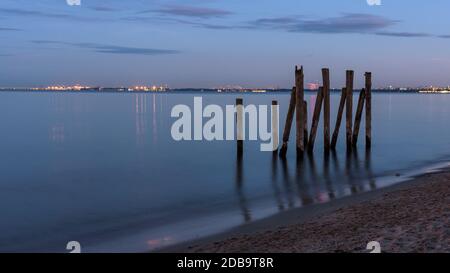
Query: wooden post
x=299, y=97
x=240, y=126
x=315, y=120
x=288, y=125
x=326, y=108
x=339, y=118
x=368, y=76
x=305, y=121
x=359, y=110
x=349, y=108
x=274, y=127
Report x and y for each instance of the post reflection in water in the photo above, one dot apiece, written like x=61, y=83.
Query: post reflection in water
x=302, y=183
x=355, y=175
x=311, y=184
x=326, y=175
x=276, y=189
x=368, y=169
x=348, y=172
x=287, y=183
x=239, y=188
x=315, y=177
x=57, y=133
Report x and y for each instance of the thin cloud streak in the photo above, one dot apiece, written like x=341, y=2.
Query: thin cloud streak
x=190, y=11
x=112, y=49
x=9, y=29
x=404, y=34
x=167, y=20
x=103, y=9
x=346, y=23
x=40, y=14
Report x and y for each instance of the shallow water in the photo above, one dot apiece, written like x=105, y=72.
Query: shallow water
x=103, y=169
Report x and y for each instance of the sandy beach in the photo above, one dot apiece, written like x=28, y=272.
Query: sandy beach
x=413, y=216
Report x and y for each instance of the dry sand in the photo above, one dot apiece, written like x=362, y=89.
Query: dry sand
x=414, y=217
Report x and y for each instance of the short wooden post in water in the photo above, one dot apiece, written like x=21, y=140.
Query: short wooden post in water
x=299, y=97
x=359, y=110
x=240, y=125
x=275, y=126
x=339, y=118
x=315, y=120
x=326, y=108
x=305, y=121
x=368, y=76
x=349, y=108
x=288, y=125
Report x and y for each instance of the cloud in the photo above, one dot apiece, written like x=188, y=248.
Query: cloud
x=9, y=29
x=276, y=22
x=346, y=23
x=40, y=14
x=403, y=34
x=112, y=49
x=168, y=20
x=352, y=23
x=190, y=11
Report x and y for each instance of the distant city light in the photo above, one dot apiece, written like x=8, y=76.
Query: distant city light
x=313, y=86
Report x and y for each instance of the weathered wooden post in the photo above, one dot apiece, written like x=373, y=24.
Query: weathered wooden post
x=275, y=126
x=359, y=110
x=305, y=121
x=339, y=118
x=299, y=97
x=240, y=125
x=288, y=125
x=326, y=108
x=368, y=76
x=315, y=120
x=349, y=108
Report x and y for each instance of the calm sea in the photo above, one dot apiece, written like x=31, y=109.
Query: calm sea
x=103, y=169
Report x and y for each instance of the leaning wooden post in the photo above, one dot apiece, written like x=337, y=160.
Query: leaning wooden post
x=299, y=96
x=359, y=110
x=349, y=108
x=305, y=122
x=326, y=108
x=315, y=120
x=288, y=125
x=339, y=118
x=240, y=125
x=368, y=110
x=275, y=126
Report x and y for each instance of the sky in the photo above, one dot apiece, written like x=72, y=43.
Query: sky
x=214, y=43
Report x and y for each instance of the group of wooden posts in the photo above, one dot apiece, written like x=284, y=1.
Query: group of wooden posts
x=305, y=142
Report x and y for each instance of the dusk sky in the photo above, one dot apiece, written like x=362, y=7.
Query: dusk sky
x=211, y=43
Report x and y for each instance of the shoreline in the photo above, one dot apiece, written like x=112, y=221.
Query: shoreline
x=281, y=232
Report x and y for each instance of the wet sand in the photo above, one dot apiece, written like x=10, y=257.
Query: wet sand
x=413, y=216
